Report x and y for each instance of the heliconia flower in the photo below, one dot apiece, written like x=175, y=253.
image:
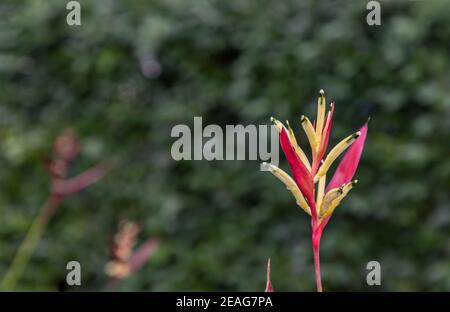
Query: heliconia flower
x=269, y=287
x=321, y=201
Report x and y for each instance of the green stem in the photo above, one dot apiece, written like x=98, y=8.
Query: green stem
x=30, y=242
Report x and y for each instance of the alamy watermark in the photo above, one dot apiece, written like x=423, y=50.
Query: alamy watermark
x=73, y=277
x=74, y=16
x=373, y=277
x=373, y=18
x=235, y=142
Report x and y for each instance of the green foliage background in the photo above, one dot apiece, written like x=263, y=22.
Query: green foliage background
x=134, y=69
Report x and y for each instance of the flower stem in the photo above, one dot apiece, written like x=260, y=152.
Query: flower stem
x=316, y=235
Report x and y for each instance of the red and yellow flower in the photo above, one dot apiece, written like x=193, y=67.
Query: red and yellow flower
x=308, y=181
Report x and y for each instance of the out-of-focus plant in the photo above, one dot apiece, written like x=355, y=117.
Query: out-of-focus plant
x=269, y=287
x=66, y=149
x=318, y=202
x=124, y=261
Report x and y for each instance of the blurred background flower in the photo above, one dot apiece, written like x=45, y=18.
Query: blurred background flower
x=124, y=259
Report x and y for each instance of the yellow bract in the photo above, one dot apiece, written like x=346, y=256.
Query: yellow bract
x=290, y=185
x=334, y=153
x=310, y=133
x=320, y=191
x=328, y=200
x=329, y=205
x=320, y=115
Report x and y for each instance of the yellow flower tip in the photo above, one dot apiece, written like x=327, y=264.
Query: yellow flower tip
x=287, y=123
x=352, y=183
x=276, y=123
x=290, y=184
x=320, y=115
x=354, y=136
x=335, y=152
x=310, y=132
x=321, y=97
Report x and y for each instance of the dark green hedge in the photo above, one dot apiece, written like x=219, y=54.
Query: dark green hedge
x=134, y=69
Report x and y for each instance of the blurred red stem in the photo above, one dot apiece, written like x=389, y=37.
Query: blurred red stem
x=316, y=235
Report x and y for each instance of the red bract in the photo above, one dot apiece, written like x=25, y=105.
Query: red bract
x=301, y=175
x=319, y=202
x=349, y=163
